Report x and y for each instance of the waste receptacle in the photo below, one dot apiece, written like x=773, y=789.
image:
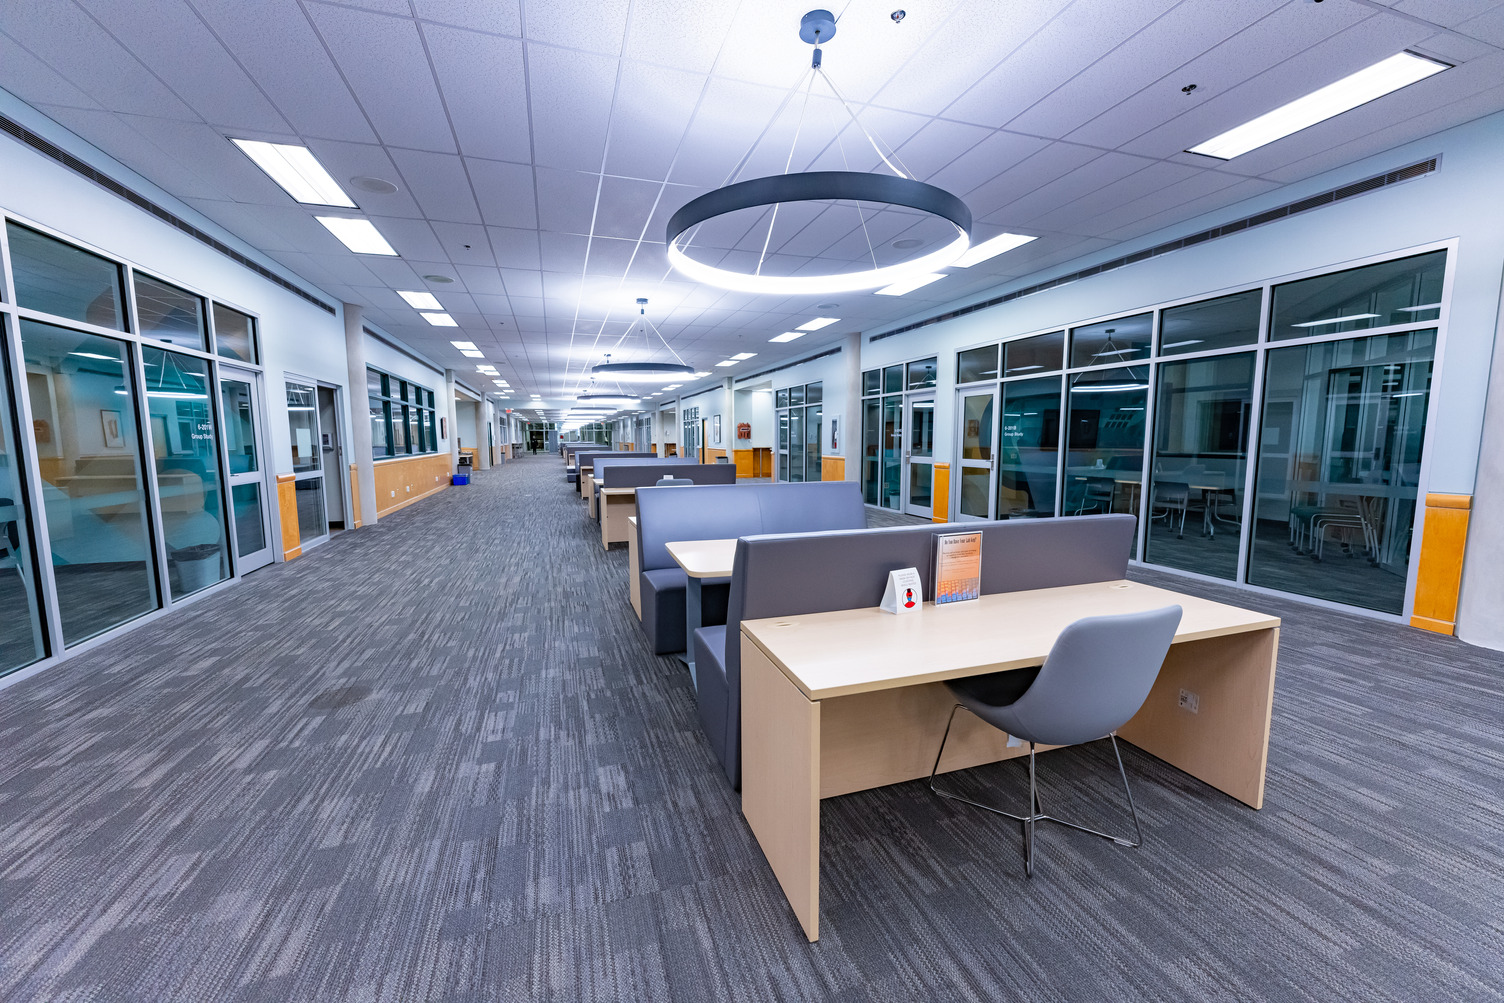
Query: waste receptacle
x=198, y=566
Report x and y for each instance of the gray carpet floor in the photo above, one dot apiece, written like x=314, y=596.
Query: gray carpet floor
x=433, y=760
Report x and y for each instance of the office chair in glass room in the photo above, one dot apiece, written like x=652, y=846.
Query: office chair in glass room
x=1098, y=674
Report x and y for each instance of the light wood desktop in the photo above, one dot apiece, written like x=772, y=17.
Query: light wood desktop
x=700, y=559
x=834, y=703
x=617, y=505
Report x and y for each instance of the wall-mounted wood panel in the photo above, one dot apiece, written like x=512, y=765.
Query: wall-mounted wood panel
x=941, y=499
x=287, y=509
x=1438, y=577
x=833, y=468
x=356, y=522
x=399, y=483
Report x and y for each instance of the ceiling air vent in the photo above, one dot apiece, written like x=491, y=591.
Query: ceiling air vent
x=1268, y=216
x=51, y=150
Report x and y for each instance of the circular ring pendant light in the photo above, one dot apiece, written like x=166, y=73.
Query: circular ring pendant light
x=816, y=27
x=814, y=186
x=644, y=372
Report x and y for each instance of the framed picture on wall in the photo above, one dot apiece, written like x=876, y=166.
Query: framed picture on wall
x=110, y=422
x=715, y=430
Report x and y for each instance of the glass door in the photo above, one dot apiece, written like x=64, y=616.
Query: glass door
x=307, y=463
x=919, y=456
x=890, y=495
x=239, y=397
x=977, y=458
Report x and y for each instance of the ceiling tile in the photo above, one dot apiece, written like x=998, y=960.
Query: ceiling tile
x=168, y=37
x=589, y=25
x=35, y=82
x=290, y=64
x=57, y=32
x=570, y=95
x=115, y=135
x=504, y=191
x=345, y=161
x=566, y=200
x=396, y=90
x=473, y=70
x=438, y=183
x=653, y=107
x=514, y=248
x=501, y=17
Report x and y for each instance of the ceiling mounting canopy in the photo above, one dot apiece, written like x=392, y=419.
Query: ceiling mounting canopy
x=898, y=189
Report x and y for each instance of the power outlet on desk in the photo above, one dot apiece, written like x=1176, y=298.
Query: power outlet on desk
x=1190, y=701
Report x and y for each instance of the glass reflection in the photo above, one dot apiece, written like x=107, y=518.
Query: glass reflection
x=21, y=641
x=234, y=334
x=183, y=442
x=796, y=444
x=1028, y=448
x=64, y=280
x=1339, y=464
x=892, y=451
x=871, y=450
x=1224, y=322
x=976, y=364
x=1391, y=292
x=168, y=313
x=1202, y=414
x=1104, y=458
x=1040, y=354
x=976, y=455
x=89, y=452
x=1120, y=340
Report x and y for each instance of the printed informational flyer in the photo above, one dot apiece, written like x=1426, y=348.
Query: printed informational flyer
x=958, y=567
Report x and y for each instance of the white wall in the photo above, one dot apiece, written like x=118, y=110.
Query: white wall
x=830, y=373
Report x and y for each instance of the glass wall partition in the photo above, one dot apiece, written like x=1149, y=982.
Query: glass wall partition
x=1340, y=423
x=307, y=461
x=22, y=639
x=800, y=424
x=1339, y=467
x=898, y=431
x=112, y=368
x=82, y=394
x=1202, y=415
x=184, y=445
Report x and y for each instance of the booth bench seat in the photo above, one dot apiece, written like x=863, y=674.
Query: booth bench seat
x=722, y=512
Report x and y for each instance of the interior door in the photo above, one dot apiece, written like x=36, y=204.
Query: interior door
x=977, y=456
x=307, y=463
x=332, y=456
x=919, y=456
x=240, y=398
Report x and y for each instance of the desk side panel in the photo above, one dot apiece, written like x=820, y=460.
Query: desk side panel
x=1225, y=742
x=615, y=510
x=634, y=569
x=781, y=780
x=885, y=737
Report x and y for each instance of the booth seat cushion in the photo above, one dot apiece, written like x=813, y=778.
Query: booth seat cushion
x=663, y=606
x=711, y=683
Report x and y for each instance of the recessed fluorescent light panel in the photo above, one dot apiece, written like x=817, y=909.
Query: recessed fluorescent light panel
x=473, y=355
x=818, y=323
x=359, y=235
x=1383, y=77
x=910, y=284
x=788, y=336
x=743, y=356
x=439, y=319
x=296, y=171
x=727, y=362
x=464, y=346
x=1001, y=244
x=422, y=301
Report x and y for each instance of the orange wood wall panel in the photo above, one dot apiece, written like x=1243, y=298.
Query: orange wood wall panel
x=355, y=496
x=941, y=499
x=287, y=508
x=746, y=463
x=399, y=483
x=833, y=468
x=1439, y=575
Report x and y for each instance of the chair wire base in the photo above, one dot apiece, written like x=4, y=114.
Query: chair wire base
x=1036, y=809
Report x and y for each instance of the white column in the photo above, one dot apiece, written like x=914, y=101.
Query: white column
x=360, y=424
x=449, y=412
x=851, y=407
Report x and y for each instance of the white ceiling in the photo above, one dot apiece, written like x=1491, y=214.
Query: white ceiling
x=539, y=147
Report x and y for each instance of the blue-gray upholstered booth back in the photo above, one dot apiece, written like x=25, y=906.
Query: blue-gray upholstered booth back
x=820, y=572
x=722, y=512
x=619, y=474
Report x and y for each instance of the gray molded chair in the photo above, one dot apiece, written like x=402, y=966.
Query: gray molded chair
x=674, y=482
x=1097, y=676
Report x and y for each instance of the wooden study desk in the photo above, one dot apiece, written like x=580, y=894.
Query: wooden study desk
x=700, y=559
x=587, y=492
x=834, y=703
x=617, y=505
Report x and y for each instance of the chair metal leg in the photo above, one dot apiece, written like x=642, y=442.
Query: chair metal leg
x=1036, y=813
